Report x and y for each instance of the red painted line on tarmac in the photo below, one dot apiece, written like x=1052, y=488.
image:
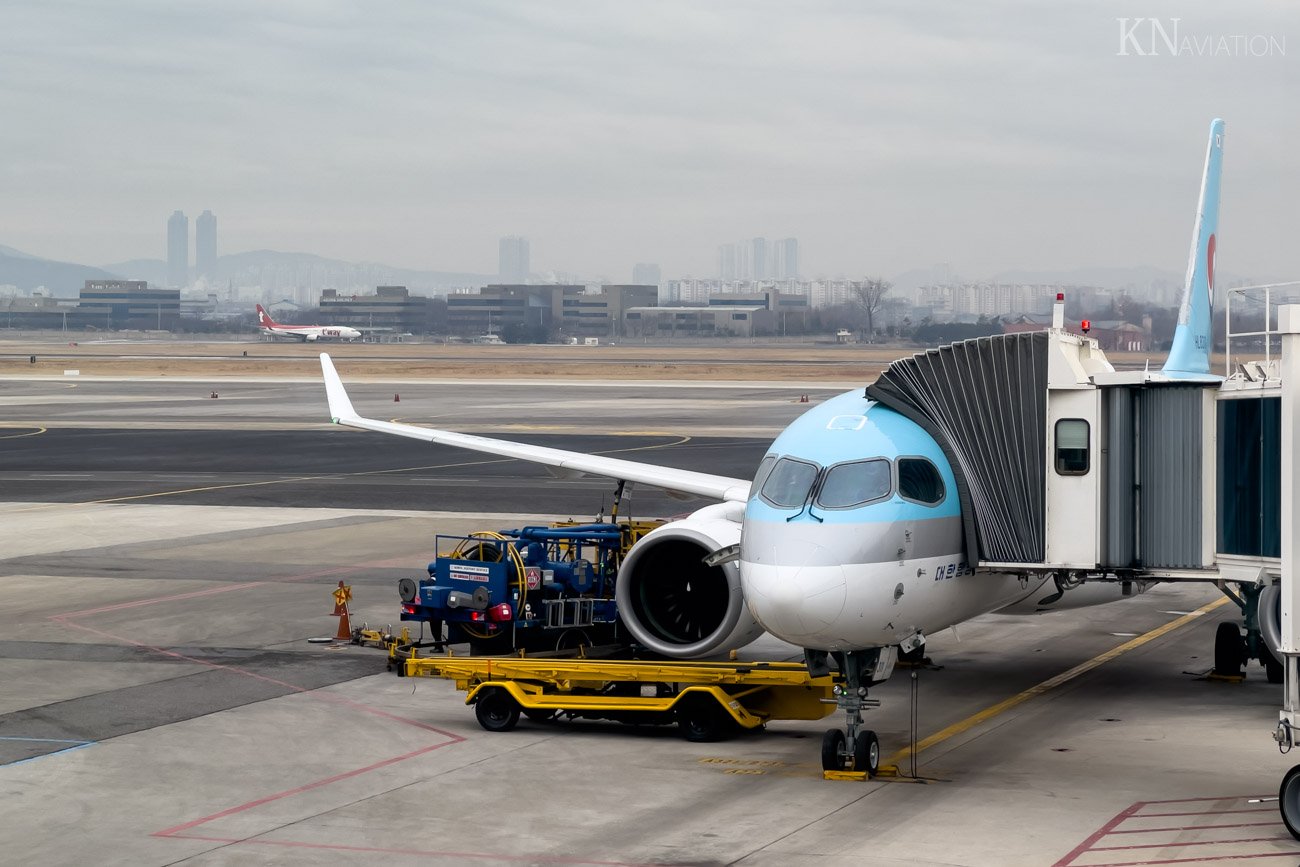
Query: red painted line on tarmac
x=427, y=853
x=1087, y=844
x=1199, y=827
x=194, y=823
x=1197, y=843
x=1204, y=860
x=1134, y=811
x=1204, y=813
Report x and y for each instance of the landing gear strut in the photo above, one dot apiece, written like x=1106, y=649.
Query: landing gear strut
x=852, y=748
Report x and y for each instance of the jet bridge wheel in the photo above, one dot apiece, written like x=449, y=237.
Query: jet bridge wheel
x=1288, y=801
x=833, y=750
x=1229, y=650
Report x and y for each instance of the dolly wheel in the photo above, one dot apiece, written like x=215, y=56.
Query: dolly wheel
x=833, y=750
x=700, y=720
x=1288, y=801
x=866, y=753
x=1229, y=650
x=496, y=710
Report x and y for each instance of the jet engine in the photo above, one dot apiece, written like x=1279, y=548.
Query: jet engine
x=674, y=602
x=312, y=338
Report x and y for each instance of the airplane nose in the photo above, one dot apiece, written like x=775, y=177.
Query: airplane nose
x=795, y=603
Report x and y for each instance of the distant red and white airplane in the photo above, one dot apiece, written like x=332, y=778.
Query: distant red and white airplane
x=305, y=333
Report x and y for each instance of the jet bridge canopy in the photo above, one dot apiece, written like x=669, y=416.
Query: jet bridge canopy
x=985, y=403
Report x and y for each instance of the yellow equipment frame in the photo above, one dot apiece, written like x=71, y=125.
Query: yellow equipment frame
x=751, y=693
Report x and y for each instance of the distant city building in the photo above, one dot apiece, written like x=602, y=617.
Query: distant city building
x=694, y=321
x=513, y=260
x=128, y=304
x=727, y=262
x=205, y=245
x=645, y=274
x=758, y=259
x=569, y=309
x=785, y=259
x=390, y=310
x=178, y=250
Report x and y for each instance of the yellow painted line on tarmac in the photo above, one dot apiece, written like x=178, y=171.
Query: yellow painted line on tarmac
x=32, y=430
x=1064, y=677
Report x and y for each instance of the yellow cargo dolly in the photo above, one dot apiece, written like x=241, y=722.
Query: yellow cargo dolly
x=706, y=699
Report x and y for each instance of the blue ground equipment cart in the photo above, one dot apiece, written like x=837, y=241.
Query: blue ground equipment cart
x=534, y=589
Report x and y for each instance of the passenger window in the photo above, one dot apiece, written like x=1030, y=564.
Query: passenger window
x=849, y=485
x=919, y=480
x=789, y=483
x=761, y=474
x=1072, y=447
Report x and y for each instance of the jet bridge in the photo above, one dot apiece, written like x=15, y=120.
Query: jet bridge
x=1064, y=465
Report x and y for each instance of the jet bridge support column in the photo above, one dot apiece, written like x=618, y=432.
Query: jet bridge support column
x=1288, y=728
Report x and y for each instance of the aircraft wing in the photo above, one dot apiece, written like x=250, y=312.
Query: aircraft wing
x=565, y=462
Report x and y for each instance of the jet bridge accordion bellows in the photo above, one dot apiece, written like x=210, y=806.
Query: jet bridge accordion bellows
x=985, y=403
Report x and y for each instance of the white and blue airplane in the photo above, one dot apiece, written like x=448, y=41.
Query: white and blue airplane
x=848, y=542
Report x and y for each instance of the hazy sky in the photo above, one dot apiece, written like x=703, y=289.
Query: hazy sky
x=885, y=135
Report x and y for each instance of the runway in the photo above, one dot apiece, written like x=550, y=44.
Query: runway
x=339, y=468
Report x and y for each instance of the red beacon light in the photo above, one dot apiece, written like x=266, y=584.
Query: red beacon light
x=1060, y=296
x=1086, y=325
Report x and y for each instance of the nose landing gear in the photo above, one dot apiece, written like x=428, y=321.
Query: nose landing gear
x=852, y=748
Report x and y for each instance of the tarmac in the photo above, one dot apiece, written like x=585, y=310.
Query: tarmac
x=162, y=704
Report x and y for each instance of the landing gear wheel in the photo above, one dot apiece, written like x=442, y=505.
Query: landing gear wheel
x=1229, y=650
x=833, y=750
x=496, y=710
x=866, y=753
x=1288, y=801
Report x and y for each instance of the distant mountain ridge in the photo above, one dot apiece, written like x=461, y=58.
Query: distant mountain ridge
x=29, y=272
x=270, y=269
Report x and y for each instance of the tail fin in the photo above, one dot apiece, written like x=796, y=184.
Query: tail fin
x=264, y=318
x=1189, y=357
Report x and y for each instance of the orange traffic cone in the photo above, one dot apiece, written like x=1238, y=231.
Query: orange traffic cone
x=342, y=596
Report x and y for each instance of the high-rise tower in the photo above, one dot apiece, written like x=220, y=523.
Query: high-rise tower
x=512, y=260
x=205, y=245
x=178, y=250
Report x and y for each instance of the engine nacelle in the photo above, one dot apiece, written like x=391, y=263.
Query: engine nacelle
x=312, y=338
x=672, y=601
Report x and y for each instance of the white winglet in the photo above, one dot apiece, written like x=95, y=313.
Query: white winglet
x=340, y=405
x=567, y=463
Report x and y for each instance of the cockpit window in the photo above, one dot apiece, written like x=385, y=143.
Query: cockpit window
x=789, y=482
x=761, y=474
x=919, y=480
x=852, y=484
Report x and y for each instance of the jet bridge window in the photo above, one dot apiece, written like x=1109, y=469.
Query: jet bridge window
x=1072, y=458
x=854, y=484
x=919, y=481
x=789, y=482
